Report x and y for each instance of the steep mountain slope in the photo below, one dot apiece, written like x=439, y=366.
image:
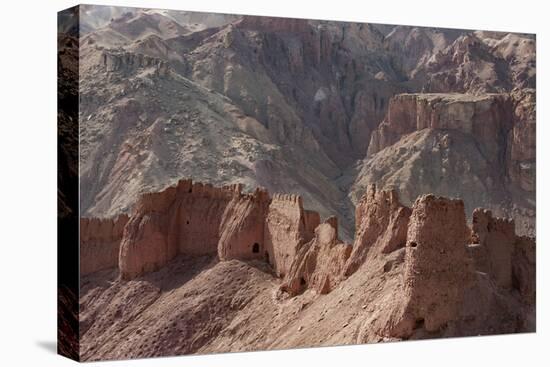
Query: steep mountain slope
x=287, y=104
x=146, y=137
x=414, y=47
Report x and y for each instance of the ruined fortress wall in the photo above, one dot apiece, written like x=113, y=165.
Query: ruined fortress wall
x=524, y=272
x=441, y=258
x=180, y=219
x=318, y=264
x=381, y=225
x=100, y=243
x=196, y=219
x=285, y=230
x=312, y=220
x=242, y=228
x=496, y=239
x=437, y=268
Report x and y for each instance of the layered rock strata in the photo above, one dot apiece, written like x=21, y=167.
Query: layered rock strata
x=480, y=148
x=488, y=118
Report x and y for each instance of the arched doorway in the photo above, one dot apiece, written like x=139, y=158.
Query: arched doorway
x=255, y=248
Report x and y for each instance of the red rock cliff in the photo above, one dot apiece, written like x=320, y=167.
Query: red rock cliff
x=488, y=118
x=197, y=219
x=480, y=148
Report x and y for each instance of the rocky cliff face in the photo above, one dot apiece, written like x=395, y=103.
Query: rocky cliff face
x=457, y=68
x=488, y=118
x=127, y=62
x=458, y=145
x=521, y=149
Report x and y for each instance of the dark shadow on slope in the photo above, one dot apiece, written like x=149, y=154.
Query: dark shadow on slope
x=179, y=271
